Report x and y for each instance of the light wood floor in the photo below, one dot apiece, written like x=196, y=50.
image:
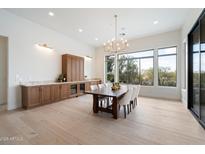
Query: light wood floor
x=73, y=122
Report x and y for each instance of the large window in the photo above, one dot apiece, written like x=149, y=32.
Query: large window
x=136, y=68
x=110, y=68
x=167, y=66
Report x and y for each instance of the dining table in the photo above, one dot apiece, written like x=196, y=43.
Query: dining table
x=107, y=92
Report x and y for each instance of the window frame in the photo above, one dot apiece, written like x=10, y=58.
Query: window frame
x=128, y=60
x=138, y=58
x=152, y=69
x=155, y=65
x=105, y=67
x=166, y=55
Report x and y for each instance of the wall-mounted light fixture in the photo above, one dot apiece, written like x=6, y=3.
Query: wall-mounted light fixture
x=44, y=46
x=89, y=57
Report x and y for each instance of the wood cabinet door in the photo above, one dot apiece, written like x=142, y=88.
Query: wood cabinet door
x=73, y=74
x=81, y=69
x=69, y=68
x=45, y=94
x=34, y=97
x=55, y=93
x=87, y=86
x=64, y=91
x=78, y=89
x=77, y=71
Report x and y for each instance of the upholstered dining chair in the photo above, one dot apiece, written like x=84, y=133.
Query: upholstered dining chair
x=137, y=94
x=94, y=87
x=108, y=84
x=101, y=86
x=106, y=101
x=125, y=100
x=134, y=98
x=102, y=100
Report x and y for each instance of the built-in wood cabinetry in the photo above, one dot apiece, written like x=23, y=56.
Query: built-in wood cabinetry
x=55, y=93
x=36, y=95
x=73, y=70
x=67, y=66
x=32, y=94
x=87, y=86
x=45, y=94
x=73, y=67
x=65, y=88
x=81, y=71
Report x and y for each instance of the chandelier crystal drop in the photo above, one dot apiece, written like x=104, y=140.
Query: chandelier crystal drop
x=116, y=45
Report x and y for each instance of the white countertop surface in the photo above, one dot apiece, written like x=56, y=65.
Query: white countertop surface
x=30, y=84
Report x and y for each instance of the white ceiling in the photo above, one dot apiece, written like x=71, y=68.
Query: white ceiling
x=100, y=22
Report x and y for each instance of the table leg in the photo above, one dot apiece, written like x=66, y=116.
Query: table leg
x=95, y=103
x=115, y=108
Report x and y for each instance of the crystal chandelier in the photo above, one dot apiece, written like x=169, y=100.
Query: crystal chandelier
x=116, y=45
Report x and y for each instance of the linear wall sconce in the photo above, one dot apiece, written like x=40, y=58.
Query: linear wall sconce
x=89, y=57
x=45, y=46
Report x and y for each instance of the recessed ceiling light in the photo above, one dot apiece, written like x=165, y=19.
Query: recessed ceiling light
x=80, y=30
x=96, y=39
x=51, y=14
x=155, y=22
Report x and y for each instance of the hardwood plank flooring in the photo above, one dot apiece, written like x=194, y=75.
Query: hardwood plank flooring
x=72, y=121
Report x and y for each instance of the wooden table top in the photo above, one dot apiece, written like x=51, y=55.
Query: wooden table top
x=107, y=91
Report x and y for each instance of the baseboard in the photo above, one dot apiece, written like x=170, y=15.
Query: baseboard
x=162, y=98
x=184, y=97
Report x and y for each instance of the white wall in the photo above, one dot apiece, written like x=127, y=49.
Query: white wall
x=192, y=17
x=152, y=42
x=3, y=70
x=29, y=63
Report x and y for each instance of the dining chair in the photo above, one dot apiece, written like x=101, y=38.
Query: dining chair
x=134, y=97
x=101, y=86
x=131, y=86
x=132, y=102
x=106, y=99
x=125, y=100
x=93, y=87
x=108, y=84
x=137, y=94
x=101, y=99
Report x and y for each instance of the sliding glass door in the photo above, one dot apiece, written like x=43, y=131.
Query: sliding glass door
x=196, y=75
x=202, y=77
x=196, y=70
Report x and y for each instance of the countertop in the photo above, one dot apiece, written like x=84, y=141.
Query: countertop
x=31, y=84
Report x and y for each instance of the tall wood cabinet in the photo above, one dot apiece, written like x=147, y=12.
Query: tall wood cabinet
x=196, y=69
x=73, y=67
